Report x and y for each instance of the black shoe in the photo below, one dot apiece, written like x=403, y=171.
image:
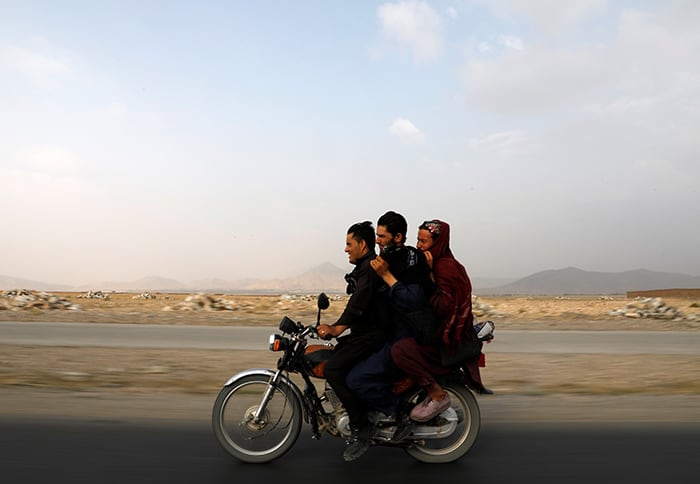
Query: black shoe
x=404, y=428
x=359, y=444
x=381, y=419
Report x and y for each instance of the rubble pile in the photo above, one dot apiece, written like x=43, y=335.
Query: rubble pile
x=204, y=302
x=95, y=295
x=309, y=297
x=22, y=299
x=652, y=308
x=297, y=297
x=481, y=309
x=144, y=295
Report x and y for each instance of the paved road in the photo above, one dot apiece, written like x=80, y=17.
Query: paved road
x=252, y=338
x=119, y=451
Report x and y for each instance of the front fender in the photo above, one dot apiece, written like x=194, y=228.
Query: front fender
x=250, y=371
x=269, y=374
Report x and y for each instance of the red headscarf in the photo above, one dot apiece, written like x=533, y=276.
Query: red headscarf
x=452, y=299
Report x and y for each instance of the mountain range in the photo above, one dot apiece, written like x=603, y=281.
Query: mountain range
x=329, y=278
x=572, y=280
x=325, y=277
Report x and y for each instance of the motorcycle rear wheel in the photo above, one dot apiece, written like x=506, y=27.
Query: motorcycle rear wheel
x=264, y=439
x=458, y=443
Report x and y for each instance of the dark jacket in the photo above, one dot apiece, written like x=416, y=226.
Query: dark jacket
x=413, y=286
x=366, y=312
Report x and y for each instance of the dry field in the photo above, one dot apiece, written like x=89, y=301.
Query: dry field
x=203, y=372
x=509, y=312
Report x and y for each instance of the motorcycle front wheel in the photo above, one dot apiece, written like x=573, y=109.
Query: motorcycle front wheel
x=265, y=438
x=458, y=443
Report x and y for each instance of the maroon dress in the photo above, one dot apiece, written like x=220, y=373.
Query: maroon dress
x=452, y=304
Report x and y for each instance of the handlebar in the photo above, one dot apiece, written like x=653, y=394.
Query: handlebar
x=288, y=326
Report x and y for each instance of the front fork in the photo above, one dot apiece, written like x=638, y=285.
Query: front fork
x=309, y=399
x=267, y=396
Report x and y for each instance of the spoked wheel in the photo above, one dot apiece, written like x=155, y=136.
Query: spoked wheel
x=250, y=438
x=458, y=443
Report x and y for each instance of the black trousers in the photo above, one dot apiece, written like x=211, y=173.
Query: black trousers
x=346, y=355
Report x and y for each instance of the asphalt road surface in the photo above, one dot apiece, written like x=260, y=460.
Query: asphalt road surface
x=117, y=451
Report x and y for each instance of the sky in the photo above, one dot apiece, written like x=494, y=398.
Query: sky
x=235, y=139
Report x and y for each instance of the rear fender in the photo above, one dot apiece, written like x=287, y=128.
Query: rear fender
x=456, y=378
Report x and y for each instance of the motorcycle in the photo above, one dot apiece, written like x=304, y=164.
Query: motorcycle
x=258, y=414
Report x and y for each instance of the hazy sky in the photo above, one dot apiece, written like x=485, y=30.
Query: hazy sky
x=240, y=139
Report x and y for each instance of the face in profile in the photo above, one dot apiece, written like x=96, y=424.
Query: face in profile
x=425, y=240
x=354, y=249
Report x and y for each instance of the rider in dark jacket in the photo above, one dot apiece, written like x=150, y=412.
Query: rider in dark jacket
x=405, y=271
x=366, y=314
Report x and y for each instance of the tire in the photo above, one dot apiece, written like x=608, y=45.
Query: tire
x=458, y=443
x=267, y=439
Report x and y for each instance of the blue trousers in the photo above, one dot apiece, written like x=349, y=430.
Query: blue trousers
x=371, y=380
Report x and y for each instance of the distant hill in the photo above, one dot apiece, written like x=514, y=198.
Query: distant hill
x=145, y=284
x=8, y=282
x=329, y=278
x=323, y=278
x=479, y=282
x=572, y=280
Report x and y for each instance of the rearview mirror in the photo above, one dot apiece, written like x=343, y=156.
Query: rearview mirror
x=323, y=301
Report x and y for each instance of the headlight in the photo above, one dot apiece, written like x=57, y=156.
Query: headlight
x=278, y=343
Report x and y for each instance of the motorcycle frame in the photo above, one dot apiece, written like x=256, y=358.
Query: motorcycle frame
x=308, y=398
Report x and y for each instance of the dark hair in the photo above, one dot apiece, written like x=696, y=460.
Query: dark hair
x=395, y=223
x=432, y=226
x=363, y=231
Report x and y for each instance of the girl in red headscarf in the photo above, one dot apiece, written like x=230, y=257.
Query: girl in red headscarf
x=451, y=303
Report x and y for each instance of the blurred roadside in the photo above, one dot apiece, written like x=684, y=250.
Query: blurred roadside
x=38, y=378
x=509, y=312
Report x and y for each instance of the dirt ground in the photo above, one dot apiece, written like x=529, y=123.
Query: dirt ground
x=204, y=372
x=509, y=312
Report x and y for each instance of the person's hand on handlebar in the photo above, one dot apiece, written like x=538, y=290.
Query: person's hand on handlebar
x=326, y=331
